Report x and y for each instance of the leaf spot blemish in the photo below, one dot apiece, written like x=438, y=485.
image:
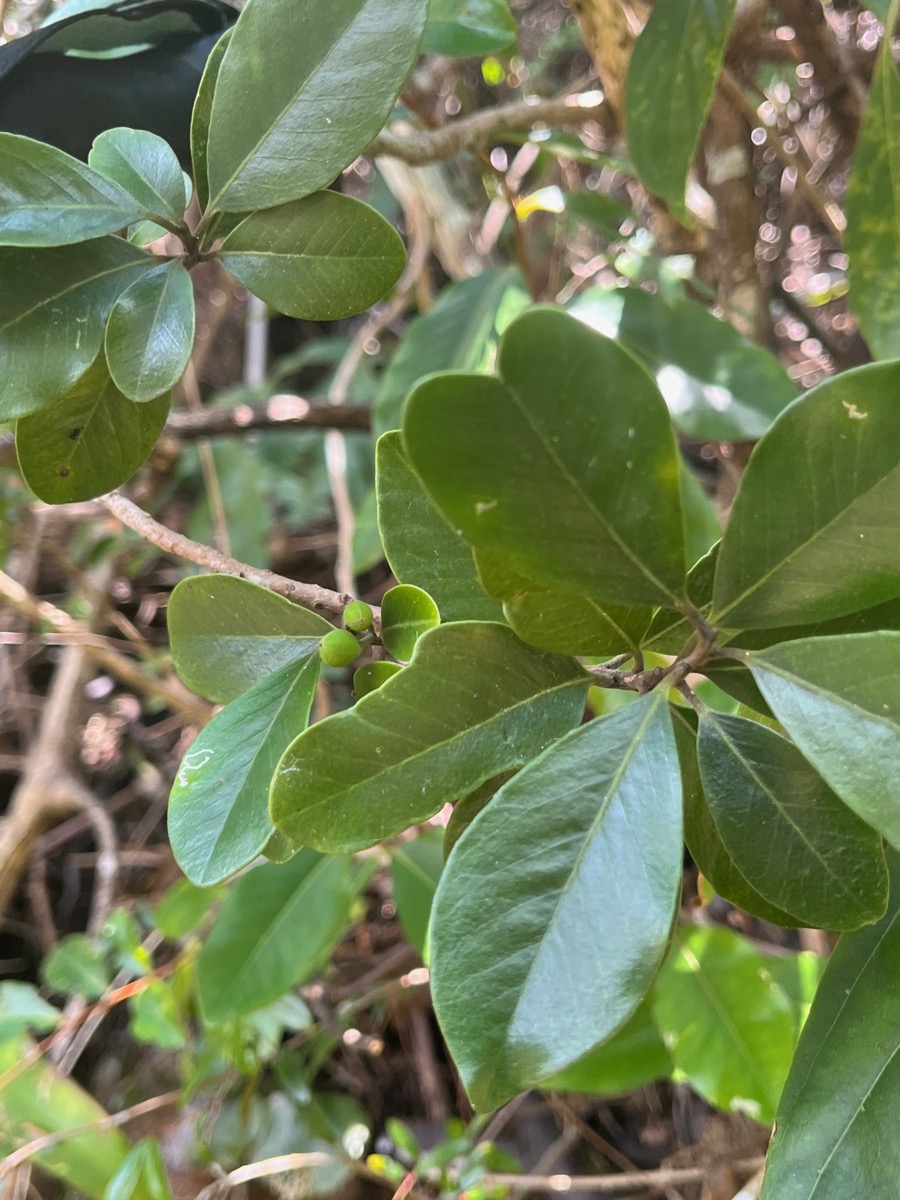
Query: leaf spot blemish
x=853, y=412
x=484, y=506
x=63, y=472
x=75, y=434
x=194, y=761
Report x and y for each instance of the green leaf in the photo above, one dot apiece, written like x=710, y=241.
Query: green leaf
x=728, y=1026
x=834, y=1134
x=50, y=199
x=702, y=529
x=144, y=166
x=183, y=908
x=406, y=613
x=719, y=386
x=468, y=28
x=784, y=828
x=502, y=458
x=52, y=316
x=90, y=441
x=631, y=1058
x=201, y=117
x=276, y=929
x=474, y=701
x=467, y=809
x=798, y=976
x=321, y=258
x=227, y=634
x=529, y=917
x=839, y=699
x=461, y=333
x=150, y=333
x=415, y=870
x=813, y=535
x=420, y=546
x=76, y=965
x=143, y=1173
x=669, y=90
x=872, y=240
x=22, y=1009
x=219, y=806
x=372, y=675
x=155, y=1017
x=302, y=91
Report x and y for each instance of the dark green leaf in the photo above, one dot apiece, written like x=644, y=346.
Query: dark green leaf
x=219, y=807
x=813, y=535
x=415, y=870
x=406, y=613
x=277, y=927
x=321, y=258
x=468, y=28
x=53, y=310
x=503, y=458
x=834, y=1136
x=144, y=166
x=467, y=809
x=631, y=1058
x=301, y=91
x=227, y=634
x=529, y=916
x=150, y=333
x=201, y=117
x=785, y=830
x=671, y=81
x=474, y=701
x=90, y=441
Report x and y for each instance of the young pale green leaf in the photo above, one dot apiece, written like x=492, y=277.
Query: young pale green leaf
x=150, y=333
x=201, y=116
x=785, y=829
x=718, y=385
x=50, y=199
x=301, y=91
x=144, y=166
x=277, y=927
x=22, y=1009
x=670, y=86
x=76, y=965
x=468, y=28
x=219, y=807
x=813, y=535
x=729, y=1027
x=839, y=699
x=227, y=634
x=631, y=1058
x=872, y=240
x=529, y=915
x=835, y=1128
x=321, y=258
x=52, y=319
x=502, y=458
x=415, y=870
x=461, y=333
x=473, y=702
x=90, y=441
x=406, y=613
x=370, y=677
x=420, y=546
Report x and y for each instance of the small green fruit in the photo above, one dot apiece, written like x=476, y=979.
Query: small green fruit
x=358, y=616
x=339, y=648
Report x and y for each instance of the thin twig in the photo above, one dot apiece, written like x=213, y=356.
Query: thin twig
x=269, y=1166
x=276, y=413
x=190, y=389
x=612, y=1185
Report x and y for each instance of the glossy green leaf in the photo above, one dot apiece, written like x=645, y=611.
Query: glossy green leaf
x=872, y=240
x=219, y=806
x=144, y=166
x=201, y=116
x=76, y=965
x=415, y=870
x=90, y=441
x=301, y=91
x=150, y=333
x=50, y=199
x=227, y=634
x=670, y=86
x=474, y=701
x=406, y=613
x=370, y=677
x=22, y=1009
x=530, y=916
x=702, y=529
x=143, y=1173
x=502, y=458
x=461, y=333
x=468, y=28
x=277, y=928
x=834, y=1137
x=631, y=1058
x=467, y=809
x=839, y=699
x=813, y=535
x=321, y=258
x=420, y=546
x=718, y=385
x=784, y=828
x=728, y=1026
x=52, y=316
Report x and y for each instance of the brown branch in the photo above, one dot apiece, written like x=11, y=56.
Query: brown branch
x=614, y=1185
x=308, y=594
x=276, y=413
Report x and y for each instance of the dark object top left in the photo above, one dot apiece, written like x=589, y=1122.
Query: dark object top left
x=60, y=84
